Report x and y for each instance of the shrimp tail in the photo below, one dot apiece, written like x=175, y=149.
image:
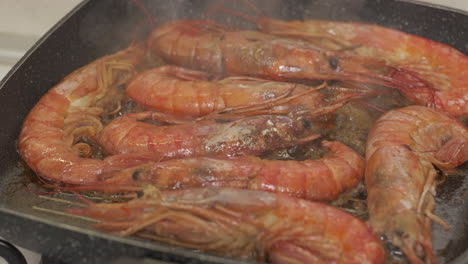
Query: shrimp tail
x=415, y=88
x=453, y=153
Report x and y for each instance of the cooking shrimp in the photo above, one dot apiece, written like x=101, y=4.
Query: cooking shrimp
x=50, y=140
x=433, y=74
x=233, y=222
x=319, y=180
x=181, y=91
x=208, y=46
x=210, y=137
x=400, y=178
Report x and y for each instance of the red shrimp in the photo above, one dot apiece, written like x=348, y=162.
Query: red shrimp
x=243, y=223
x=210, y=137
x=433, y=74
x=208, y=46
x=50, y=137
x=182, y=91
x=319, y=180
x=402, y=147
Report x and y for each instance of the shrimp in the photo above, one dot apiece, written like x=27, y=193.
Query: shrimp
x=400, y=178
x=50, y=137
x=319, y=180
x=240, y=223
x=209, y=137
x=208, y=46
x=177, y=90
x=433, y=74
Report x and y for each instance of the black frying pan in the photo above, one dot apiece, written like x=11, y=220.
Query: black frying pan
x=96, y=28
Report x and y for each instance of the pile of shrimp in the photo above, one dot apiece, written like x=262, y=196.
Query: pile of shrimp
x=244, y=143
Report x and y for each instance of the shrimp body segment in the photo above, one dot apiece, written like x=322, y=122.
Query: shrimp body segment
x=207, y=46
x=261, y=225
x=182, y=91
x=320, y=180
x=210, y=137
x=444, y=68
x=68, y=112
x=402, y=147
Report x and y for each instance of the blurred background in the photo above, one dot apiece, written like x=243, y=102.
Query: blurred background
x=23, y=22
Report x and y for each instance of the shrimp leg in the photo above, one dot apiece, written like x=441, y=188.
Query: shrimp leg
x=48, y=140
x=237, y=222
x=319, y=180
x=211, y=137
x=182, y=91
x=402, y=147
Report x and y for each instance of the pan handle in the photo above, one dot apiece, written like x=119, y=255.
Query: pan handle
x=10, y=253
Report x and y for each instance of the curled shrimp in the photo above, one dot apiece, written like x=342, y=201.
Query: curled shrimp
x=431, y=73
x=50, y=139
x=319, y=180
x=237, y=223
x=209, y=137
x=402, y=147
x=208, y=46
x=182, y=91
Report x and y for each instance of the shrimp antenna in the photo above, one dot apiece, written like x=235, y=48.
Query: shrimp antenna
x=82, y=199
x=221, y=8
x=401, y=77
x=149, y=19
x=255, y=8
x=215, y=8
x=143, y=8
x=371, y=106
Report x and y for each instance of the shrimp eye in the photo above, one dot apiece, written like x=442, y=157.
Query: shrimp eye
x=333, y=62
x=136, y=174
x=306, y=124
x=140, y=194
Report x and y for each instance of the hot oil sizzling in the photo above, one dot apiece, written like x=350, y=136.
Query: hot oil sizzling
x=350, y=125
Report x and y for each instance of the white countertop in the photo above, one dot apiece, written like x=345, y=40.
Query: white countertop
x=23, y=22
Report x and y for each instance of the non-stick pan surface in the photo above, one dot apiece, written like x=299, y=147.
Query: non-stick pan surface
x=96, y=28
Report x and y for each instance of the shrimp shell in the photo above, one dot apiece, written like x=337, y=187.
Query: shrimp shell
x=237, y=223
x=319, y=180
x=208, y=46
x=431, y=73
x=69, y=110
x=402, y=147
x=210, y=137
x=182, y=91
